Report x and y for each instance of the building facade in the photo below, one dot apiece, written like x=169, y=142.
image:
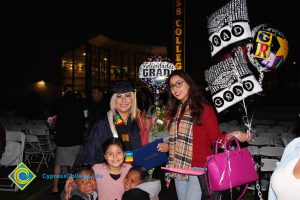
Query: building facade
x=101, y=61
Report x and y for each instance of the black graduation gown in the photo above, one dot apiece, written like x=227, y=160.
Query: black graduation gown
x=92, y=151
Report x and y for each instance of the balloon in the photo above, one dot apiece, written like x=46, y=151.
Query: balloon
x=228, y=26
x=231, y=81
x=269, y=49
x=154, y=72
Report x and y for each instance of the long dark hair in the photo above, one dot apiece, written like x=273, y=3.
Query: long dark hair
x=195, y=99
x=110, y=141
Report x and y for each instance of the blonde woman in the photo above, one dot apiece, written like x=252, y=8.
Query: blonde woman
x=119, y=122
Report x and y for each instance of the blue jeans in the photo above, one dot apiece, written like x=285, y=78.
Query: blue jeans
x=189, y=189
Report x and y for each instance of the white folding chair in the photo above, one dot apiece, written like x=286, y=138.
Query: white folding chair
x=287, y=140
x=275, y=139
x=12, y=157
x=265, y=168
x=263, y=127
x=276, y=131
x=266, y=161
x=34, y=152
x=44, y=140
x=272, y=152
x=233, y=122
x=266, y=122
x=261, y=141
x=254, y=150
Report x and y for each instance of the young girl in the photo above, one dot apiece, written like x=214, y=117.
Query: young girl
x=110, y=175
x=137, y=186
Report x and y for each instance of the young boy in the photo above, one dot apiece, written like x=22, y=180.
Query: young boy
x=137, y=186
x=84, y=177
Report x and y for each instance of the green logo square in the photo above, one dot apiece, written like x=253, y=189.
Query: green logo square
x=22, y=176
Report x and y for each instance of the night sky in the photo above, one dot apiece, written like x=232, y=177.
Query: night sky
x=32, y=39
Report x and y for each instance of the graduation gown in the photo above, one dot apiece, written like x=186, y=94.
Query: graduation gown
x=105, y=128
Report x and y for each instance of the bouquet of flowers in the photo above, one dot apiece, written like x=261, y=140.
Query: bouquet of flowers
x=160, y=124
x=52, y=121
x=155, y=126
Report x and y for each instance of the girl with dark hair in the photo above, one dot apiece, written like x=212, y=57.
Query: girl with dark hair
x=193, y=131
x=110, y=174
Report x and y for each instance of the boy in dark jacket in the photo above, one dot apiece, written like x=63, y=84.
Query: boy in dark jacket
x=85, y=180
x=137, y=186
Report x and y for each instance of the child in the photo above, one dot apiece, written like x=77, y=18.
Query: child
x=110, y=174
x=137, y=186
x=84, y=177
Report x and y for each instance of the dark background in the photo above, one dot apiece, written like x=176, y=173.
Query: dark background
x=32, y=37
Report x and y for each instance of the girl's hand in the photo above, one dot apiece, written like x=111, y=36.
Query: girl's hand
x=240, y=136
x=163, y=147
x=68, y=187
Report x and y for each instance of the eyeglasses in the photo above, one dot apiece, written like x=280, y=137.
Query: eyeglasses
x=178, y=84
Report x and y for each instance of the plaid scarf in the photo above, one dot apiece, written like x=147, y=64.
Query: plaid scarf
x=181, y=142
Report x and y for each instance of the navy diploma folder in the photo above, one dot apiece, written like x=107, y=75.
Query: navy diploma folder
x=148, y=156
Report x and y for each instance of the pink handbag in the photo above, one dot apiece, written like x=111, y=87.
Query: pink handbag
x=230, y=168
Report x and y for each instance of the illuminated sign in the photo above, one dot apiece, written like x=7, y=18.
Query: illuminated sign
x=179, y=35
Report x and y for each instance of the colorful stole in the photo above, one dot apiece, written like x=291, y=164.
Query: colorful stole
x=124, y=136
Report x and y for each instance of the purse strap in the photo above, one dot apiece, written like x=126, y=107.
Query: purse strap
x=225, y=145
x=237, y=143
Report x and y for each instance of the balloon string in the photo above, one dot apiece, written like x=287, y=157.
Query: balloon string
x=156, y=101
x=261, y=76
x=248, y=122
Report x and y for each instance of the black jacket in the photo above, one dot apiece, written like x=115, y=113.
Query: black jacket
x=70, y=120
x=76, y=194
x=135, y=194
x=92, y=151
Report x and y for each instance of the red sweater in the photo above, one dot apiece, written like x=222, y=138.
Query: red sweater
x=205, y=136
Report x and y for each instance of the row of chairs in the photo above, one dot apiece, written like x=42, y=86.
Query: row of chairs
x=35, y=149
x=12, y=157
x=39, y=148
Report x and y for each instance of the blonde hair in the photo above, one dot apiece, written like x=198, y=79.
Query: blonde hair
x=132, y=109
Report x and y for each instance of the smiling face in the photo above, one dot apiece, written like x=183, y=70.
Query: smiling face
x=131, y=180
x=87, y=182
x=114, y=156
x=179, y=88
x=124, y=102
